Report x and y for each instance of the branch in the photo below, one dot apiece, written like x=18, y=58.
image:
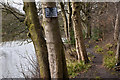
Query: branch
x=12, y=10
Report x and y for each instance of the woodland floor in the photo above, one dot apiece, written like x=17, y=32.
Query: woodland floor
x=97, y=69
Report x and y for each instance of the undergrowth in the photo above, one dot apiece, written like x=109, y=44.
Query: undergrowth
x=109, y=60
x=98, y=49
x=75, y=67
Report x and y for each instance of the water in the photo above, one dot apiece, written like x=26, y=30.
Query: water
x=14, y=59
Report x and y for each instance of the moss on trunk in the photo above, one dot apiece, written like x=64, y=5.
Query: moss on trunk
x=35, y=30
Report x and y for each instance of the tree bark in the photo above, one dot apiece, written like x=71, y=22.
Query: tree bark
x=69, y=21
x=88, y=27
x=65, y=20
x=88, y=9
x=118, y=50
x=80, y=46
x=35, y=30
x=54, y=44
x=117, y=32
x=116, y=29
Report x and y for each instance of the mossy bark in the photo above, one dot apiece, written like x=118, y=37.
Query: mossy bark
x=80, y=46
x=54, y=44
x=35, y=30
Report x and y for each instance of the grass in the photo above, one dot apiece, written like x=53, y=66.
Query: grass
x=74, y=68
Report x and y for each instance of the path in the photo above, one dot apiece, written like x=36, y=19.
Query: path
x=97, y=70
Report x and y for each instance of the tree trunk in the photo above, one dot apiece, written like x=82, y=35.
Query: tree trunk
x=116, y=30
x=118, y=50
x=80, y=46
x=69, y=21
x=88, y=11
x=88, y=27
x=65, y=20
x=35, y=30
x=54, y=44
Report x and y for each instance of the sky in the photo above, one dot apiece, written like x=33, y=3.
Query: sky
x=17, y=3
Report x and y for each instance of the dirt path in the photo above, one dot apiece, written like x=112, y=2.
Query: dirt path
x=97, y=70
